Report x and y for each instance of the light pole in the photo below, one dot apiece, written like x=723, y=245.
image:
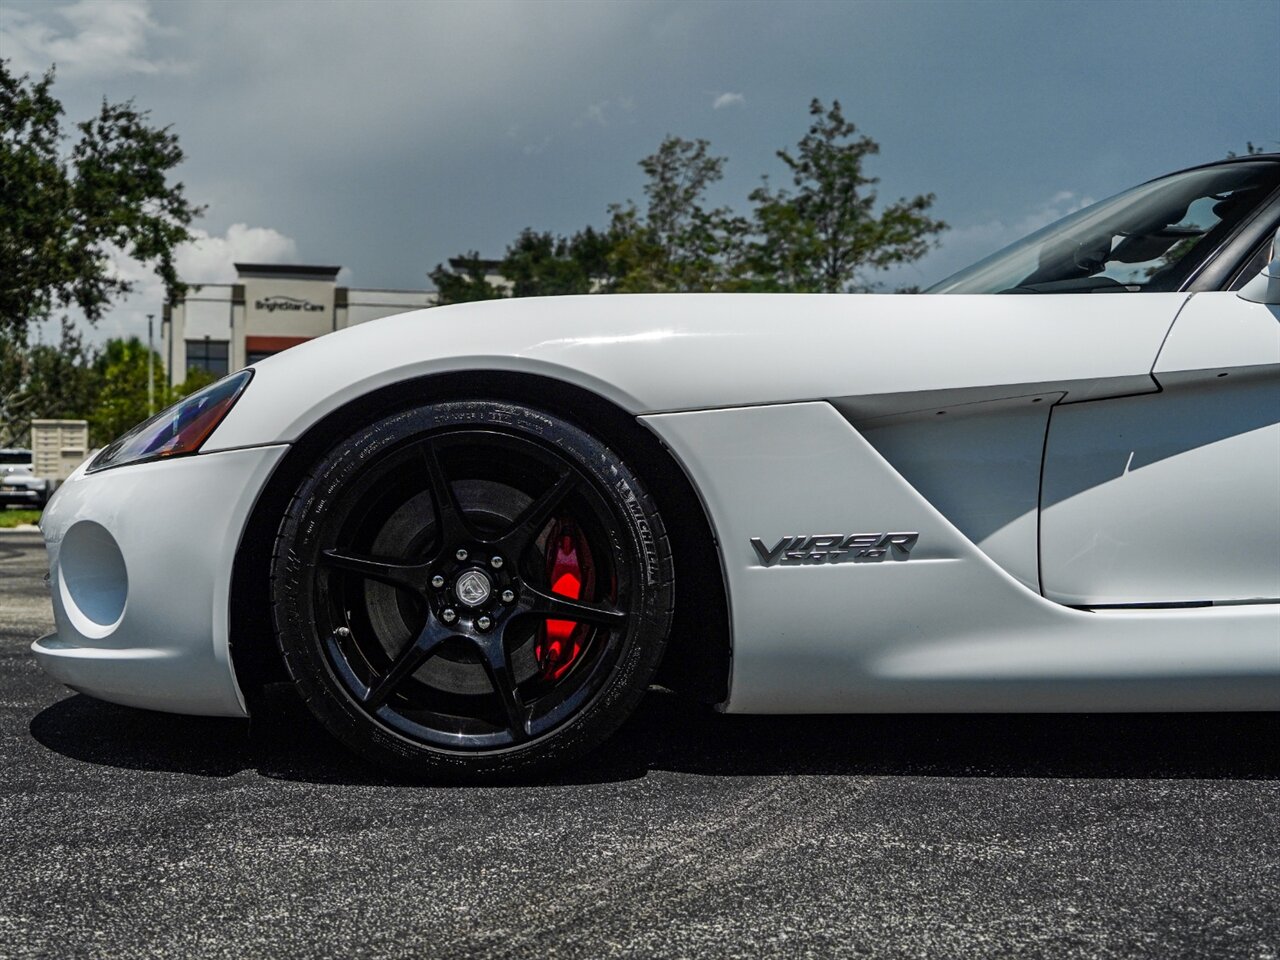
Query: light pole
x=151, y=360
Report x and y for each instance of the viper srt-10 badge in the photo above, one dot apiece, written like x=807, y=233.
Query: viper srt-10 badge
x=836, y=547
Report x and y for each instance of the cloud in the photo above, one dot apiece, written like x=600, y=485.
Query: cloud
x=595, y=113
x=724, y=100
x=605, y=112
x=289, y=74
x=210, y=259
x=533, y=149
x=90, y=38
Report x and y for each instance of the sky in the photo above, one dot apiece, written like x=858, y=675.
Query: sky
x=385, y=136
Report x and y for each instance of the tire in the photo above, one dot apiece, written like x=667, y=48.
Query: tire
x=471, y=591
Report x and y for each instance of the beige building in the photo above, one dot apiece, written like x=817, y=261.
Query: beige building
x=221, y=327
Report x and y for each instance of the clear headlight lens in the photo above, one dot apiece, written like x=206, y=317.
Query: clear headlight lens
x=178, y=430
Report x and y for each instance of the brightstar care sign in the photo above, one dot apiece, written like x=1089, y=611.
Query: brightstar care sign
x=287, y=307
x=287, y=304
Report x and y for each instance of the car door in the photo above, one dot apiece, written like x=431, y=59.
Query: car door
x=1173, y=497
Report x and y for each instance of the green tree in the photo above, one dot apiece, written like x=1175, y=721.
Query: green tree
x=464, y=280
x=121, y=400
x=536, y=264
x=65, y=209
x=196, y=379
x=592, y=250
x=545, y=265
x=677, y=243
x=64, y=212
x=1250, y=150
x=825, y=235
x=44, y=380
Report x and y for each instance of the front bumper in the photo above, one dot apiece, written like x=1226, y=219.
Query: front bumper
x=10, y=495
x=140, y=561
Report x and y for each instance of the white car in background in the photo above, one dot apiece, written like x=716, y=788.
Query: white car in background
x=472, y=537
x=18, y=483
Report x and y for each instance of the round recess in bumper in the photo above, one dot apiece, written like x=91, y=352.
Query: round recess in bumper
x=140, y=562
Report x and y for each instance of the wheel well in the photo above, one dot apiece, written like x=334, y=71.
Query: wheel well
x=697, y=659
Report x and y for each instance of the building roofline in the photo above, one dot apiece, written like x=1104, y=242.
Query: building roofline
x=287, y=271
x=488, y=264
x=352, y=290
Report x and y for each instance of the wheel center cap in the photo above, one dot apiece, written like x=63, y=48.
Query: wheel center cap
x=473, y=588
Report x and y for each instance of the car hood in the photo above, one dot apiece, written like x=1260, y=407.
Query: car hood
x=675, y=352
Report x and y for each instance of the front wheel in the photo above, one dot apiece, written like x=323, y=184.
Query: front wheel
x=472, y=590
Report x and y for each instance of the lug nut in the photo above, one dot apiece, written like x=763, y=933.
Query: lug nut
x=496, y=563
x=448, y=616
x=461, y=554
x=508, y=596
x=437, y=581
x=343, y=632
x=484, y=623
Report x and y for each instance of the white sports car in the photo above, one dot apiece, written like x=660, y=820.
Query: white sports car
x=473, y=537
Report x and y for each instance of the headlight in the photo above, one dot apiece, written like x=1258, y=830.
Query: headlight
x=178, y=430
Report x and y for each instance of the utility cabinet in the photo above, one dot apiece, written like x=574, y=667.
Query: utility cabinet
x=58, y=447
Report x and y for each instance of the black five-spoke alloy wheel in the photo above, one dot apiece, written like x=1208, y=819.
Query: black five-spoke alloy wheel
x=471, y=590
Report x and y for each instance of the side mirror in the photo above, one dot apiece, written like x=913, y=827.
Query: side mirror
x=1265, y=287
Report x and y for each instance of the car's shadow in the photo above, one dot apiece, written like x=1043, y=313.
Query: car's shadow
x=670, y=734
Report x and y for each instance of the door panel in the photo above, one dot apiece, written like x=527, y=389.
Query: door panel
x=1173, y=497
x=1220, y=333
x=943, y=629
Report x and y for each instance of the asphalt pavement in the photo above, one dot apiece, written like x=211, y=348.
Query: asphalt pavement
x=125, y=833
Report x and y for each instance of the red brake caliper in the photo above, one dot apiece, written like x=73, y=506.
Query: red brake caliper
x=568, y=566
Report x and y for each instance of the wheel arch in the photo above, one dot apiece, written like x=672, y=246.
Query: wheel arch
x=697, y=658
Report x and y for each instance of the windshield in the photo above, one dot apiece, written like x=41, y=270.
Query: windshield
x=22, y=457
x=1147, y=238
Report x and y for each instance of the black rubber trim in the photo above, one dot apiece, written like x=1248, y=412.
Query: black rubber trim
x=1175, y=605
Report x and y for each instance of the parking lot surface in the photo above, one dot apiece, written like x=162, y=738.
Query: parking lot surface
x=132, y=834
